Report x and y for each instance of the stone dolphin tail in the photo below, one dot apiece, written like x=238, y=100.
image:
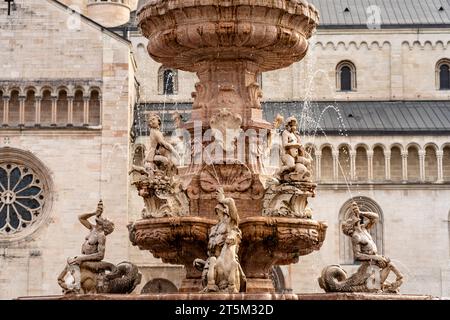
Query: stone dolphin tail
x=125, y=278
x=335, y=279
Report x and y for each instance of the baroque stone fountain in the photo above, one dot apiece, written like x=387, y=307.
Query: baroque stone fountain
x=227, y=43
x=240, y=206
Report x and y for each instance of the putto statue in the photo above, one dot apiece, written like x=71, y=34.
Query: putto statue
x=156, y=178
x=374, y=270
x=287, y=195
x=222, y=271
x=88, y=273
x=158, y=158
x=297, y=163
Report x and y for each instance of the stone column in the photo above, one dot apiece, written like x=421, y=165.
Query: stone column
x=387, y=165
x=353, y=165
x=335, y=154
x=5, y=110
x=86, y=111
x=22, y=110
x=70, y=111
x=38, y=111
x=440, y=156
x=422, y=165
x=370, y=165
x=54, y=105
x=405, y=166
x=318, y=165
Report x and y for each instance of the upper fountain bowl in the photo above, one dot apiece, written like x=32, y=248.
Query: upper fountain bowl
x=184, y=33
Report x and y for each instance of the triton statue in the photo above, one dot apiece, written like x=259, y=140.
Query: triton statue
x=88, y=273
x=334, y=278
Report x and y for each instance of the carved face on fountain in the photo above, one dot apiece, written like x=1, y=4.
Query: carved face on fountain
x=221, y=211
x=292, y=125
x=154, y=121
x=348, y=228
x=105, y=225
x=278, y=121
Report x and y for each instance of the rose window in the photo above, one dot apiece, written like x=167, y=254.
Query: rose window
x=21, y=198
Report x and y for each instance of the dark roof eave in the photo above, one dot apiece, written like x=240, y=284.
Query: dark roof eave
x=384, y=26
x=365, y=132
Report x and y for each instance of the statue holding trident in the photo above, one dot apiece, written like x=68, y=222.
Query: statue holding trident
x=222, y=271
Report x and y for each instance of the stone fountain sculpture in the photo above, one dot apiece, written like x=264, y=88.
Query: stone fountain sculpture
x=228, y=43
x=222, y=272
x=156, y=178
x=88, y=273
x=372, y=275
x=289, y=195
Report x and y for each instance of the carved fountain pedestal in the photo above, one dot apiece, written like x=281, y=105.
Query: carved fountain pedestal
x=228, y=43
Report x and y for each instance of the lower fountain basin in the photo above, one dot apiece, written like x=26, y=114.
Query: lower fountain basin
x=266, y=241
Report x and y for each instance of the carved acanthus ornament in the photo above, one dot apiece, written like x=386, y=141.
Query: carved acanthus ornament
x=288, y=200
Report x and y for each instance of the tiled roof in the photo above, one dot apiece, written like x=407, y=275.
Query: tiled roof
x=354, y=13
x=394, y=13
x=371, y=117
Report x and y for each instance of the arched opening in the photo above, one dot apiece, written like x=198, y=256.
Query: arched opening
x=157, y=286
x=326, y=165
x=30, y=108
x=312, y=152
x=413, y=164
x=362, y=173
x=14, y=109
x=344, y=164
x=345, y=244
x=379, y=164
x=46, y=109
x=446, y=164
x=78, y=108
x=168, y=85
x=278, y=280
x=94, y=108
x=167, y=81
x=396, y=165
x=346, y=76
x=431, y=167
x=443, y=74
x=142, y=52
x=62, y=108
x=346, y=79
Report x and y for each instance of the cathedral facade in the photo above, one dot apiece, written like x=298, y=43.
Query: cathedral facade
x=372, y=97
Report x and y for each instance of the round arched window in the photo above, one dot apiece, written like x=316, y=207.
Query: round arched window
x=24, y=190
